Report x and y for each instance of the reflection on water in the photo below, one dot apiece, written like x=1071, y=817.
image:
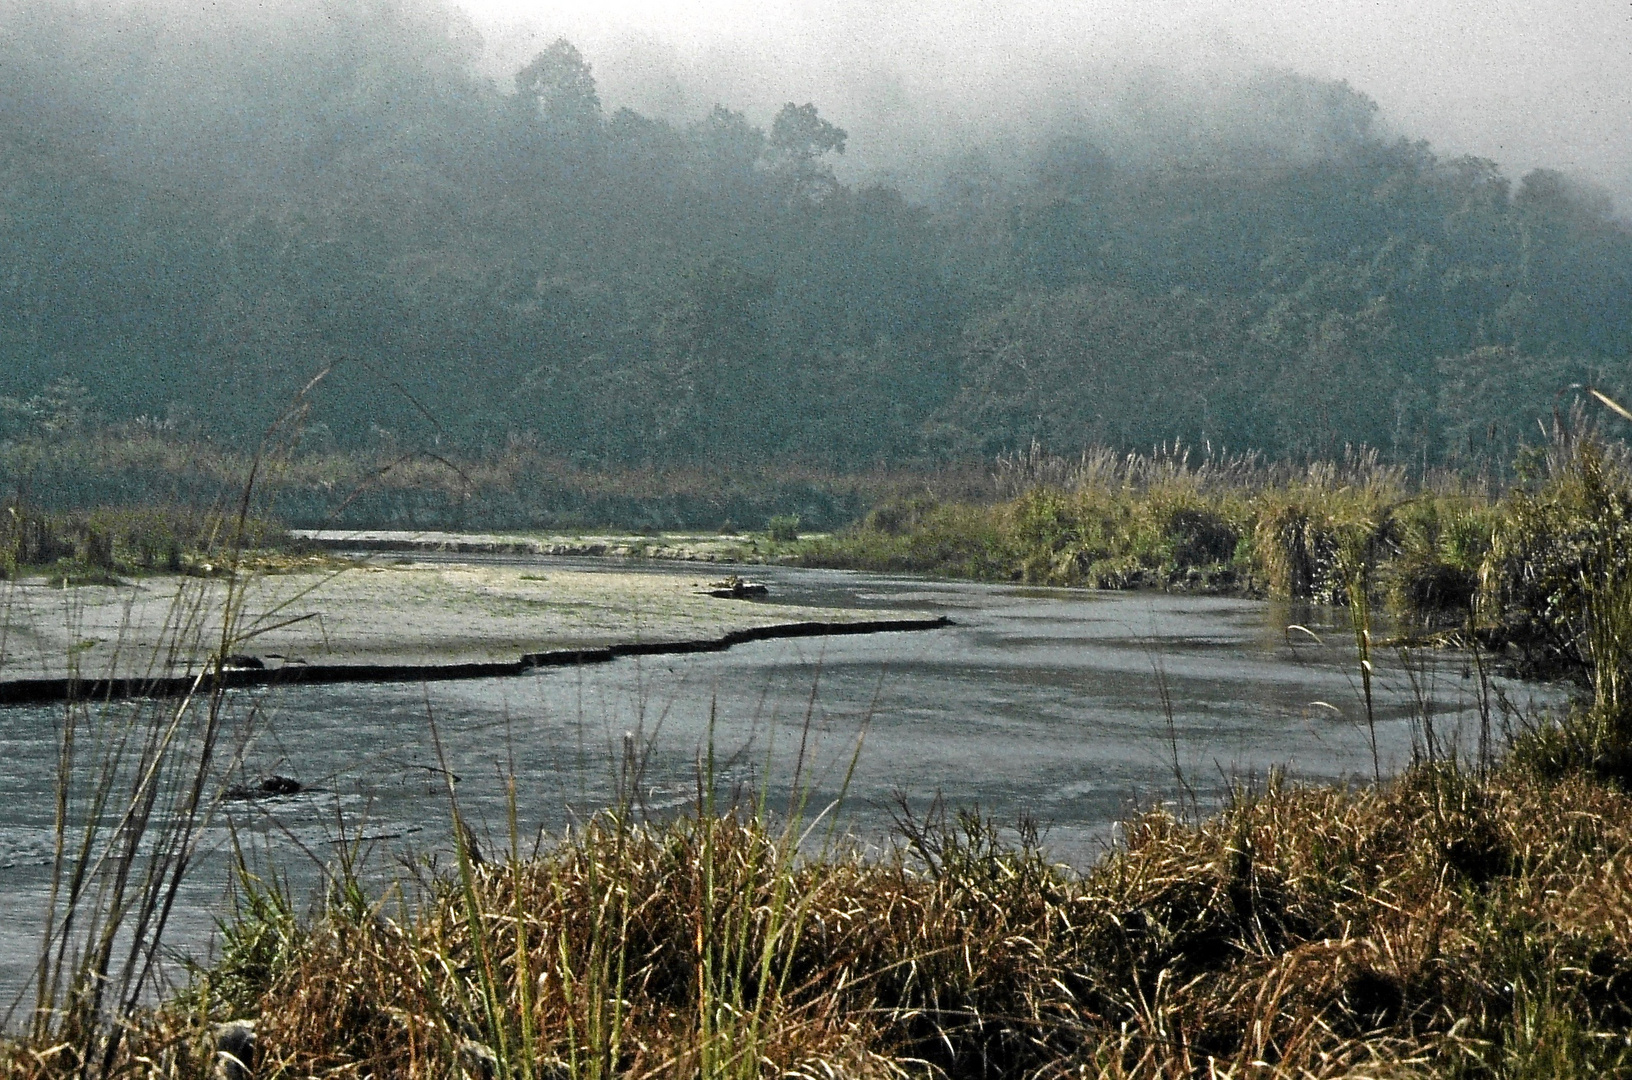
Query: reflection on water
x=1042, y=702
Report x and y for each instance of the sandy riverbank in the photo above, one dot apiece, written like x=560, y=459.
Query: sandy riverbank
x=397, y=612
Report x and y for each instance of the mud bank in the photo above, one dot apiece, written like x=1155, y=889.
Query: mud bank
x=393, y=620
x=34, y=691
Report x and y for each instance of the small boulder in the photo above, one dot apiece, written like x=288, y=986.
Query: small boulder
x=234, y=1050
x=281, y=785
x=733, y=587
x=477, y=1061
x=266, y=787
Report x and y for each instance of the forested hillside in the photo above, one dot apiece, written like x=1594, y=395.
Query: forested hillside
x=196, y=219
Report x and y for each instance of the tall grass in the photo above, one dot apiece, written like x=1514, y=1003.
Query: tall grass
x=91, y=545
x=137, y=782
x=513, y=485
x=536, y=966
x=1440, y=557
x=1169, y=518
x=1436, y=925
x=136, y=787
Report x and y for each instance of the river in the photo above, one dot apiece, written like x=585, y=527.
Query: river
x=1070, y=707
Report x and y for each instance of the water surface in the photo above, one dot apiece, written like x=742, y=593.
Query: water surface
x=1071, y=707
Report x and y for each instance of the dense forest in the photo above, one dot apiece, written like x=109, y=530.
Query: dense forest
x=195, y=220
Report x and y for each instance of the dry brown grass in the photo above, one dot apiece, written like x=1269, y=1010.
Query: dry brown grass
x=1438, y=925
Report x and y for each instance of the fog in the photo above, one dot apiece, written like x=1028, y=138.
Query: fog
x=1524, y=84
x=629, y=234
x=917, y=86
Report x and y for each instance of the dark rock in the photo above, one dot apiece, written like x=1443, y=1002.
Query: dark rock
x=281, y=785
x=234, y=1050
x=735, y=588
x=266, y=787
x=477, y=1060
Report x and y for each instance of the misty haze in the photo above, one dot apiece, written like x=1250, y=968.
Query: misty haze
x=203, y=210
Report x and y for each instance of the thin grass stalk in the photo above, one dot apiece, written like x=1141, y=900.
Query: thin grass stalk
x=613, y=989
x=596, y=991
x=1164, y=694
x=46, y=982
x=753, y=1017
x=523, y=958
x=1607, y=590
x=175, y=844
x=492, y=1005
x=736, y=1029
x=111, y=882
x=706, y=974
x=1486, y=749
x=1416, y=676
x=1355, y=569
x=444, y=1024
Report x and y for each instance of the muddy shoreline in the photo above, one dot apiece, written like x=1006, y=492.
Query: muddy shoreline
x=437, y=617
x=38, y=691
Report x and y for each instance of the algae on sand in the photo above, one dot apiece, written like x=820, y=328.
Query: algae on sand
x=414, y=613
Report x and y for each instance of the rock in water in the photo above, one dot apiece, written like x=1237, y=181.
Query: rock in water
x=266, y=787
x=281, y=785
x=735, y=588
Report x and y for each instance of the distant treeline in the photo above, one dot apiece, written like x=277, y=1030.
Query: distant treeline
x=191, y=227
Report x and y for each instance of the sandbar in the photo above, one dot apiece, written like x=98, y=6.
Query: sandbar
x=405, y=612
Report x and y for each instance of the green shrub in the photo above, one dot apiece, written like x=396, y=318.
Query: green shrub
x=124, y=539
x=1559, y=559
x=783, y=528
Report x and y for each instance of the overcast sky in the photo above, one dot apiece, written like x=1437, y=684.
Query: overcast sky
x=1540, y=82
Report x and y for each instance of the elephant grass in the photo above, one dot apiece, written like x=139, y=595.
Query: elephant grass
x=1444, y=555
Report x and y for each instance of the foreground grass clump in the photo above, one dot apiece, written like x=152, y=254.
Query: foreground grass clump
x=1437, y=926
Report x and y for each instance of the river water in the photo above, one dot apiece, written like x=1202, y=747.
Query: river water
x=1071, y=707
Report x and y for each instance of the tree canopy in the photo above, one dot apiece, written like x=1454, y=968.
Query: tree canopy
x=196, y=232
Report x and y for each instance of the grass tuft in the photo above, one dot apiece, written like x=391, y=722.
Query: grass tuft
x=1436, y=925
